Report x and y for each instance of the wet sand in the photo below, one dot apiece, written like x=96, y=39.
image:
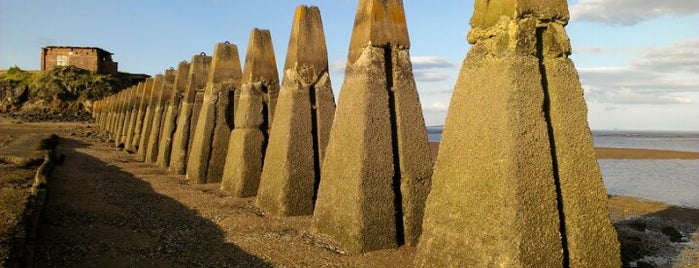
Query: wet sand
x=619, y=153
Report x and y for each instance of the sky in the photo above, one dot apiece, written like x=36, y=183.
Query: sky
x=638, y=60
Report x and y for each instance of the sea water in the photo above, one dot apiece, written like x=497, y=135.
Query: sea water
x=671, y=181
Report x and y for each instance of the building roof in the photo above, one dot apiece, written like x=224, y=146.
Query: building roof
x=80, y=48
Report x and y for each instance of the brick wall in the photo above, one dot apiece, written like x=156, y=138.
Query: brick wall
x=93, y=59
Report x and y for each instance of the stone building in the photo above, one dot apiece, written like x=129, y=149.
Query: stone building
x=90, y=58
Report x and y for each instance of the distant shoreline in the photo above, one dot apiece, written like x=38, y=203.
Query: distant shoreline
x=620, y=153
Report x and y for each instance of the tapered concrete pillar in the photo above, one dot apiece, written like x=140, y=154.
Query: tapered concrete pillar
x=171, y=114
x=128, y=116
x=137, y=113
x=188, y=115
x=158, y=110
x=156, y=88
x=376, y=172
x=303, y=117
x=143, y=104
x=114, y=114
x=210, y=140
x=253, y=116
x=120, y=115
x=516, y=183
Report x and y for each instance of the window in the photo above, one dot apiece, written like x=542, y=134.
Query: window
x=62, y=60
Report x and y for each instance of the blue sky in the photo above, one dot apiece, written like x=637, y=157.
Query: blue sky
x=638, y=60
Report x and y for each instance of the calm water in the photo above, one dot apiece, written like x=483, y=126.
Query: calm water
x=674, y=182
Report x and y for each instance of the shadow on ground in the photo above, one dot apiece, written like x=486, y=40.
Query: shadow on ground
x=98, y=215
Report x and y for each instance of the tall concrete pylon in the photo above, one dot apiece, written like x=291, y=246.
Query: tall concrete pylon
x=158, y=112
x=136, y=117
x=210, y=140
x=377, y=167
x=121, y=111
x=303, y=117
x=516, y=183
x=171, y=113
x=253, y=117
x=131, y=110
x=189, y=113
x=143, y=104
x=156, y=88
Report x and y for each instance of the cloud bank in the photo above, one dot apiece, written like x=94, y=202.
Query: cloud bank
x=630, y=12
x=668, y=75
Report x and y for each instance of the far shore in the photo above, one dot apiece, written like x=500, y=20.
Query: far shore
x=619, y=153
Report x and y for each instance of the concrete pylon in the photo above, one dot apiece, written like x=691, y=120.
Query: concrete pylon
x=377, y=167
x=171, y=113
x=137, y=116
x=130, y=115
x=189, y=112
x=253, y=116
x=304, y=114
x=210, y=140
x=158, y=112
x=121, y=114
x=115, y=114
x=140, y=117
x=156, y=88
x=516, y=183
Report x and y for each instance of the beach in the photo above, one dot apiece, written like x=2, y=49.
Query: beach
x=106, y=208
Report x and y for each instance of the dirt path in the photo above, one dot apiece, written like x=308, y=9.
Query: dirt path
x=105, y=209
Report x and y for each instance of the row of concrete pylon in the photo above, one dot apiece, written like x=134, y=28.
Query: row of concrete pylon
x=515, y=182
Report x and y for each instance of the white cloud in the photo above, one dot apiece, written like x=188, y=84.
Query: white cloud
x=425, y=68
x=630, y=12
x=430, y=62
x=435, y=106
x=433, y=68
x=431, y=75
x=338, y=66
x=628, y=96
x=668, y=75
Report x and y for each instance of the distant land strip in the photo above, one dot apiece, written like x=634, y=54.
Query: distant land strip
x=625, y=153
x=619, y=153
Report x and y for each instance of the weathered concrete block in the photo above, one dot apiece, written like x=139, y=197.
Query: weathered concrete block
x=148, y=117
x=591, y=239
x=156, y=126
x=140, y=117
x=517, y=153
x=196, y=81
x=304, y=113
x=131, y=110
x=253, y=116
x=210, y=140
x=121, y=116
x=136, y=117
x=171, y=114
x=376, y=173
